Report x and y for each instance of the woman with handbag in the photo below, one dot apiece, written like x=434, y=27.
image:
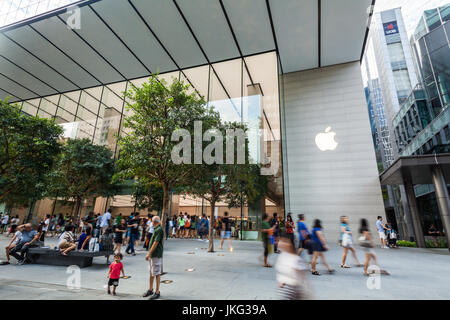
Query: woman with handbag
x=318, y=246
x=366, y=241
x=347, y=243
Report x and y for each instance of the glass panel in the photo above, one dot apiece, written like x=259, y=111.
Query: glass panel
x=436, y=39
x=107, y=127
x=43, y=114
x=199, y=79
x=48, y=106
x=29, y=108
x=85, y=114
x=64, y=116
x=111, y=99
x=445, y=12
x=432, y=19
x=89, y=102
x=69, y=102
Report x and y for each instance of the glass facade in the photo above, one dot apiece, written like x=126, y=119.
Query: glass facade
x=423, y=120
x=243, y=90
x=15, y=10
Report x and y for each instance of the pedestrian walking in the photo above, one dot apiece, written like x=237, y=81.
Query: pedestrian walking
x=366, y=242
x=155, y=259
x=291, y=271
x=133, y=224
x=318, y=247
x=226, y=231
x=304, y=236
x=347, y=243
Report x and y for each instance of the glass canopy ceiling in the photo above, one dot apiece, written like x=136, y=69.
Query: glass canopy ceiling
x=128, y=39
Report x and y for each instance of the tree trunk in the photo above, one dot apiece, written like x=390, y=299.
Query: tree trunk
x=77, y=209
x=164, y=212
x=211, y=227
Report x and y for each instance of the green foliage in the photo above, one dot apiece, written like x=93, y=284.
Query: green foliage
x=156, y=111
x=405, y=243
x=148, y=194
x=83, y=170
x=441, y=243
x=28, y=148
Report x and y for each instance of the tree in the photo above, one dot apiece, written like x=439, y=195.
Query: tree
x=83, y=170
x=234, y=183
x=28, y=148
x=157, y=111
x=148, y=195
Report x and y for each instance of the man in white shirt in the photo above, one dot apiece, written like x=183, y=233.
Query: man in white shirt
x=106, y=217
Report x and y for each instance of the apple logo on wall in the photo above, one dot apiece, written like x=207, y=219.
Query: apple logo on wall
x=325, y=140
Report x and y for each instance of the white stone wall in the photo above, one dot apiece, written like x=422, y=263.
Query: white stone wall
x=328, y=184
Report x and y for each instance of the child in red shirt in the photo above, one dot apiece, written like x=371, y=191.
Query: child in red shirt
x=114, y=273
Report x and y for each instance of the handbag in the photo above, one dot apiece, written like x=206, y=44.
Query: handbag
x=346, y=240
x=393, y=235
x=363, y=242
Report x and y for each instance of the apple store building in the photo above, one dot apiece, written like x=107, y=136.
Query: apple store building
x=288, y=69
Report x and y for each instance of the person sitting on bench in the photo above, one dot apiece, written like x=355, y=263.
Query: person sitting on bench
x=67, y=241
x=29, y=237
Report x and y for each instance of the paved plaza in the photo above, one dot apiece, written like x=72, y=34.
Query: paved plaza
x=224, y=275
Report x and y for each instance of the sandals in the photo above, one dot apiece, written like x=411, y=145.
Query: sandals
x=267, y=266
x=316, y=273
x=345, y=266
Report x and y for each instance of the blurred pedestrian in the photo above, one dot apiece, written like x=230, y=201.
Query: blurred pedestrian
x=291, y=271
x=347, y=243
x=318, y=246
x=366, y=241
x=304, y=236
x=226, y=231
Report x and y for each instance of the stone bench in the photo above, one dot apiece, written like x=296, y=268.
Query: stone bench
x=55, y=258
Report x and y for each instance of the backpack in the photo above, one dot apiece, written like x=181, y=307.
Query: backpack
x=187, y=224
